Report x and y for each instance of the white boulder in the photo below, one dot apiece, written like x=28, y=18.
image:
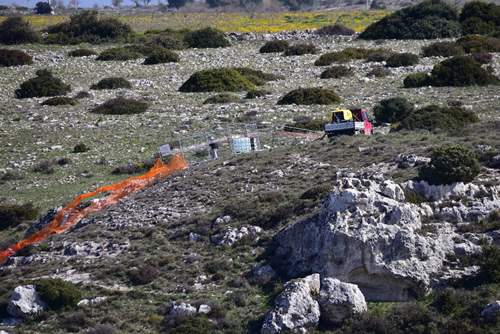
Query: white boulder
x=339, y=301
x=25, y=302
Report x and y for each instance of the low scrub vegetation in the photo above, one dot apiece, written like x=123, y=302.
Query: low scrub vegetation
x=60, y=101
x=310, y=96
x=206, y=38
x=335, y=29
x=119, y=53
x=16, y=30
x=167, y=42
x=12, y=215
x=274, y=46
x=402, y=59
x=378, y=72
x=426, y=20
x=347, y=55
x=221, y=98
x=112, y=83
x=255, y=93
x=121, y=106
x=301, y=49
x=436, y=117
x=58, y=293
x=144, y=275
x=82, y=52
x=217, y=80
x=162, y=56
x=477, y=43
x=335, y=72
x=392, y=110
x=10, y=57
x=450, y=163
x=87, y=27
x=480, y=18
x=442, y=49
x=44, y=84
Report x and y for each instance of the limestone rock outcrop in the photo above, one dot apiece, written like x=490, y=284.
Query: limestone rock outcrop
x=25, y=302
x=339, y=301
x=294, y=309
x=367, y=235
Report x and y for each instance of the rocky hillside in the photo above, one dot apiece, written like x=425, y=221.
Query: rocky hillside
x=295, y=238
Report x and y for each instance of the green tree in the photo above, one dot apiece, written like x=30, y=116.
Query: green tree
x=16, y=30
x=392, y=110
x=176, y=3
x=43, y=8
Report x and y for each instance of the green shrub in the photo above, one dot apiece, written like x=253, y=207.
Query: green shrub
x=274, y=46
x=335, y=29
x=194, y=324
x=80, y=148
x=87, y=27
x=402, y=59
x=15, y=30
x=482, y=57
x=379, y=56
x=11, y=175
x=392, y=110
x=307, y=122
x=221, y=98
x=144, y=275
x=120, y=53
x=121, y=106
x=429, y=19
x=43, y=8
x=436, y=117
x=480, y=18
x=82, y=95
x=46, y=166
x=337, y=72
x=12, y=215
x=257, y=77
x=60, y=100
x=162, y=56
x=102, y=329
x=216, y=80
x=301, y=49
x=442, y=49
x=206, y=38
x=346, y=55
x=144, y=50
x=82, y=53
x=476, y=43
x=309, y=96
x=14, y=58
x=378, y=72
x=450, y=163
x=461, y=71
x=112, y=83
x=413, y=196
x=418, y=79
x=167, y=42
x=58, y=293
x=490, y=264
x=45, y=84
x=74, y=322
x=254, y=93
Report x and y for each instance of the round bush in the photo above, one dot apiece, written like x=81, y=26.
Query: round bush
x=14, y=58
x=16, y=30
x=442, y=49
x=82, y=53
x=12, y=215
x=429, y=19
x=309, y=96
x=216, y=80
x=461, y=71
x=43, y=8
x=402, y=59
x=206, y=38
x=112, y=83
x=274, y=46
x=335, y=29
x=257, y=77
x=378, y=72
x=418, y=79
x=162, y=56
x=254, y=93
x=379, y=56
x=59, y=101
x=482, y=57
x=221, y=98
x=453, y=163
x=87, y=27
x=392, y=110
x=166, y=42
x=479, y=17
x=58, y=293
x=301, y=49
x=435, y=117
x=45, y=84
x=332, y=57
x=337, y=72
x=144, y=275
x=121, y=106
x=120, y=53
x=476, y=43
x=80, y=148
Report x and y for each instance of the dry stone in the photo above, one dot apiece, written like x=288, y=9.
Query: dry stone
x=25, y=302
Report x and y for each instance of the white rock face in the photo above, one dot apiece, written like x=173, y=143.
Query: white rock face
x=231, y=235
x=294, y=309
x=25, y=303
x=339, y=301
x=367, y=236
x=182, y=309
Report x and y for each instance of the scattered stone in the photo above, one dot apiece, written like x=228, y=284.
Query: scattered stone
x=204, y=308
x=92, y=301
x=182, y=310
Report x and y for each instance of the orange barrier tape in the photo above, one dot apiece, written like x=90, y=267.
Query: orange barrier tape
x=69, y=216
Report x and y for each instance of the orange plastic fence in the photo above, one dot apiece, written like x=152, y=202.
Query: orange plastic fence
x=69, y=216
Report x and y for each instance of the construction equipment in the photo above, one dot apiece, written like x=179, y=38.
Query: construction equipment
x=348, y=122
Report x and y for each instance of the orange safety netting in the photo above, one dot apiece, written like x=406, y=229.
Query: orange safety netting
x=69, y=216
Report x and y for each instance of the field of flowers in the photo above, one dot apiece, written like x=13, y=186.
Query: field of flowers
x=234, y=22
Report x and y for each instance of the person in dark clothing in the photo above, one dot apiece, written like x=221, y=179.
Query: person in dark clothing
x=214, y=146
